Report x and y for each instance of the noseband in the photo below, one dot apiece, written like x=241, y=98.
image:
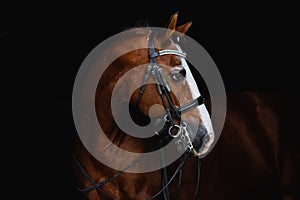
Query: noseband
x=171, y=113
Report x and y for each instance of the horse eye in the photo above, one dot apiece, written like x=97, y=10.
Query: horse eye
x=178, y=75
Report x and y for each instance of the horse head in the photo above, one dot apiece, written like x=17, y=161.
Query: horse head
x=158, y=87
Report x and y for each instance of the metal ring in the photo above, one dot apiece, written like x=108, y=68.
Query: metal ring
x=178, y=132
x=184, y=125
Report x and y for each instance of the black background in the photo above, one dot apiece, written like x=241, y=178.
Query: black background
x=253, y=45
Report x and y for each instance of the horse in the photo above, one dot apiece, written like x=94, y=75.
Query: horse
x=251, y=160
x=164, y=79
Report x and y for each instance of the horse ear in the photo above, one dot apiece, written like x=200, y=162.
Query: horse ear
x=181, y=30
x=171, y=26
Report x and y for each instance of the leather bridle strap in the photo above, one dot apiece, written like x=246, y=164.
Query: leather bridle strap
x=192, y=104
x=168, y=51
x=161, y=82
x=179, y=167
x=163, y=90
x=96, y=186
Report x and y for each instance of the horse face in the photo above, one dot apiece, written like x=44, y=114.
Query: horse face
x=183, y=90
x=151, y=105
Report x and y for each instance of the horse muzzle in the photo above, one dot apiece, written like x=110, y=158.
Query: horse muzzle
x=200, y=139
x=189, y=138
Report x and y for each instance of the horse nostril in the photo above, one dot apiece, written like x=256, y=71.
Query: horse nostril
x=200, y=137
x=202, y=131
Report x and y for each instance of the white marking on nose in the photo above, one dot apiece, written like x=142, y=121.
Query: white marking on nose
x=203, y=113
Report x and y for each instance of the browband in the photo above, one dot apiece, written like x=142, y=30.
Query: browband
x=167, y=51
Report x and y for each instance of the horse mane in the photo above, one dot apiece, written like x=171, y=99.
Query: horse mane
x=139, y=24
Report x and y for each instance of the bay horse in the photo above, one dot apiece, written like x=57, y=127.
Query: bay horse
x=255, y=157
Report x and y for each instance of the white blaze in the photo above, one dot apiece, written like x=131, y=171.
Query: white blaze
x=203, y=113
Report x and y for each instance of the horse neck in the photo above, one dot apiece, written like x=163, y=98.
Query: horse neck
x=107, y=83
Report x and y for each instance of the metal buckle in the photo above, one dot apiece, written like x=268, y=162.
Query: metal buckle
x=179, y=131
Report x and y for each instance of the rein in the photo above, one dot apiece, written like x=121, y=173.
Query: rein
x=96, y=186
x=171, y=113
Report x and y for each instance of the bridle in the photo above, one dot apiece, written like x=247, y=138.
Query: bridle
x=163, y=87
x=172, y=113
